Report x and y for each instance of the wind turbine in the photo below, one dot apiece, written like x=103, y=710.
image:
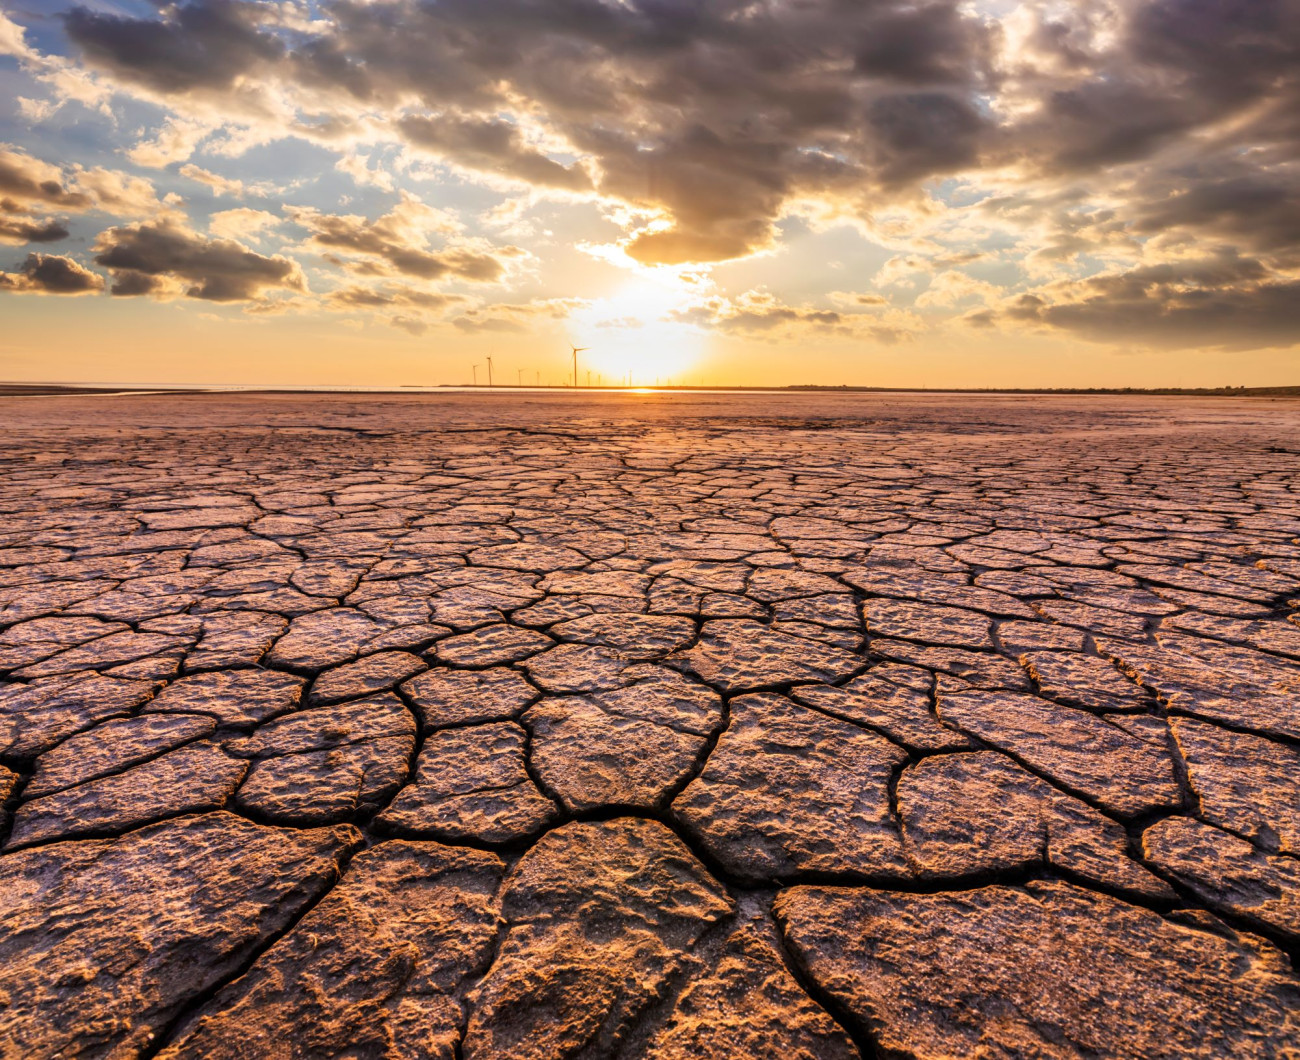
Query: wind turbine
x=475, y=371
x=577, y=350
x=489, y=361
x=521, y=376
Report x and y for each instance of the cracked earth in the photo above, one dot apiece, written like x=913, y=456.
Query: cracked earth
x=649, y=727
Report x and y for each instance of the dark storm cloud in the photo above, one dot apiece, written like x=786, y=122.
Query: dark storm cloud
x=715, y=112
x=156, y=256
x=718, y=114
x=1258, y=211
x=920, y=134
x=51, y=274
x=1222, y=301
x=1175, y=67
x=723, y=189
x=1097, y=125
x=1225, y=50
x=193, y=46
x=492, y=146
x=926, y=44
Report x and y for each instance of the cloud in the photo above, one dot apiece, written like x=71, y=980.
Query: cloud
x=226, y=186
x=355, y=166
x=904, y=271
x=18, y=230
x=950, y=287
x=1221, y=301
x=13, y=39
x=30, y=186
x=397, y=244
x=28, y=183
x=1094, y=151
x=921, y=134
x=755, y=311
x=1259, y=211
x=408, y=309
x=761, y=314
x=390, y=297
x=857, y=298
x=712, y=115
x=242, y=223
x=175, y=141
x=492, y=145
x=411, y=325
x=925, y=44
x=712, y=118
x=163, y=257
x=491, y=325
x=51, y=274
x=192, y=46
x=764, y=318
x=219, y=185
x=889, y=335
x=516, y=318
x=119, y=193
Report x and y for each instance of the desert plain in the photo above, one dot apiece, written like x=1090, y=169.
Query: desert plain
x=649, y=726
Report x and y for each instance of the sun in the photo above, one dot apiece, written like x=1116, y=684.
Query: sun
x=633, y=336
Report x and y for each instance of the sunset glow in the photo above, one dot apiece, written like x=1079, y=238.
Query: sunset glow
x=635, y=333
x=984, y=193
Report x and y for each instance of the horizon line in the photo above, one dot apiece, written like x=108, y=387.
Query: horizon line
x=19, y=389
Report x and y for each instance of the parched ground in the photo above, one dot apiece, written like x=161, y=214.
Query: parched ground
x=659, y=727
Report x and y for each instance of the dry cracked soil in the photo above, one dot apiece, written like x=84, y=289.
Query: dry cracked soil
x=659, y=726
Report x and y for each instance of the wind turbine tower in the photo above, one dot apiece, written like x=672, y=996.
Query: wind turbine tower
x=577, y=350
x=489, y=361
x=475, y=371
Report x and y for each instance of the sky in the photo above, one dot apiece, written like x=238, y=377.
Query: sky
x=703, y=192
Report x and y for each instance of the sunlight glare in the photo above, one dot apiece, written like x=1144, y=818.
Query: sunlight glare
x=633, y=337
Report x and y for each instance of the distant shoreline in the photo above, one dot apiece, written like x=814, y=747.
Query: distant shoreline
x=65, y=389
